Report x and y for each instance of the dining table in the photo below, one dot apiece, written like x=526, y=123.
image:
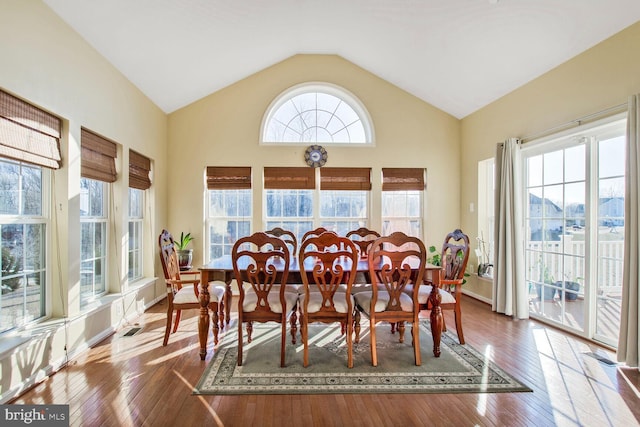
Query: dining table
x=221, y=269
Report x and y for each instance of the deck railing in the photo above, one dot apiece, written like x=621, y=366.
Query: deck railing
x=565, y=260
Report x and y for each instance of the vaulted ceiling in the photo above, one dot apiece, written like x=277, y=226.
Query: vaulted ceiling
x=458, y=55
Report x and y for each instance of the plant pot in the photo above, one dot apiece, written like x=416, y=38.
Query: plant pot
x=185, y=258
x=549, y=292
x=572, y=286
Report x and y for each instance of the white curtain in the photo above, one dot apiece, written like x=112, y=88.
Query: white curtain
x=629, y=339
x=510, y=294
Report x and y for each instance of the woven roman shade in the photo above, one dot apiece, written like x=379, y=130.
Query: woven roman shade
x=345, y=179
x=283, y=178
x=228, y=178
x=139, y=168
x=402, y=179
x=98, y=157
x=28, y=133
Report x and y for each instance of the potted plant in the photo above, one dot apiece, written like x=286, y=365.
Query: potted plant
x=434, y=258
x=185, y=255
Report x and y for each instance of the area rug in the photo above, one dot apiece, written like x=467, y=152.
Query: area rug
x=459, y=369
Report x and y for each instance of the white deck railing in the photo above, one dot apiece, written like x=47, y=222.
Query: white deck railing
x=564, y=260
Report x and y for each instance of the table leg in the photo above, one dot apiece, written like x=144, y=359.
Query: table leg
x=227, y=301
x=436, y=316
x=203, y=321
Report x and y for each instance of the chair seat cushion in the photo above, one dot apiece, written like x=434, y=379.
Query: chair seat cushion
x=364, y=301
x=339, y=301
x=251, y=299
x=425, y=291
x=186, y=294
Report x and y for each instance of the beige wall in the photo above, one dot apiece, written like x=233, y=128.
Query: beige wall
x=223, y=129
x=600, y=78
x=45, y=62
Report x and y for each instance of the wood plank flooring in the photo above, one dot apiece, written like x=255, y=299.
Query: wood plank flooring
x=134, y=381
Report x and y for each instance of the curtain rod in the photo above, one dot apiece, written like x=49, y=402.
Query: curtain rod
x=576, y=122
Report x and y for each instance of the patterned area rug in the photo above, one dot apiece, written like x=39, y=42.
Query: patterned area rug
x=459, y=369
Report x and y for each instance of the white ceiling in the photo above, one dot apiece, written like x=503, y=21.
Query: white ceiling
x=458, y=55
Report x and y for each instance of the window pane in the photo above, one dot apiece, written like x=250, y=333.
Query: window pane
x=316, y=114
x=228, y=219
x=568, y=233
x=9, y=188
x=32, y=190
x=93, y=239
x=134, y=258
x=23, y=235
x=553, y=167
x=402, y=211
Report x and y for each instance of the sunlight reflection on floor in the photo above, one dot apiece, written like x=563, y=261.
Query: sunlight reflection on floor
x=580, y=391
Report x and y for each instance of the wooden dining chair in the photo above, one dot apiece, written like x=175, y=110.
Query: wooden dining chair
x=262, y=262
x=363, y=238
x=328, y=265
x=453, y=259
x=313, y=233
x=395, y=261
x=287, y=237
x=183, y=289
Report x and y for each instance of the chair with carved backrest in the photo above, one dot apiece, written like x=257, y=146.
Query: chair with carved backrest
x=262, y=262
x=363, y=238
x=328, y=266
x=288, y=237
x=313, y=233
x=453, y=259
x=395, y=261
x=183, y=289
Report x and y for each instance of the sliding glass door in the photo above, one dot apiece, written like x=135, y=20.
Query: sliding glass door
x=574, y=226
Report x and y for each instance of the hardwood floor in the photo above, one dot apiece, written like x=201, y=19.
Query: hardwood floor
x=134, y=381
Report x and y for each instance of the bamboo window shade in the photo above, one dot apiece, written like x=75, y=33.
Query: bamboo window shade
x=228, y=178
x=289, y=178
x=403, y=179
x=28, y=133
x=139, y=169
x=98, y=157
x=345, y=179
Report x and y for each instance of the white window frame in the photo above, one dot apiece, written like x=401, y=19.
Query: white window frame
x=103, y=221
x=563, y=140
x=343, y=224
x=402, y=222
x=135, y=249
x=44, y=219
x=215, y=220
x=333, y=90
x=296, y=224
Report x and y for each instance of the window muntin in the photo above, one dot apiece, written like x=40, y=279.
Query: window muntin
x=402, y=211
x=228, y=219
x=23, y=235
x=136, y=219
x=292, y=210
x=317, y=113
x=574, y=219
x=342, y=211
x=93, y=239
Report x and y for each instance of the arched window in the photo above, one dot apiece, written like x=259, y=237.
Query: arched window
x=316, y=112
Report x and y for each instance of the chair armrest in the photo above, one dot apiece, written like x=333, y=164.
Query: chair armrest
x=190, y=272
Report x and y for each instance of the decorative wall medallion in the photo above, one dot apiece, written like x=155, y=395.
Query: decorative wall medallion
x=315, y=156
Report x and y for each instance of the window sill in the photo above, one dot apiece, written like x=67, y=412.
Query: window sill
x=487, y=279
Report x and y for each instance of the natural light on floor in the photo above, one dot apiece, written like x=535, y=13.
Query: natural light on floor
x=569, y=370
